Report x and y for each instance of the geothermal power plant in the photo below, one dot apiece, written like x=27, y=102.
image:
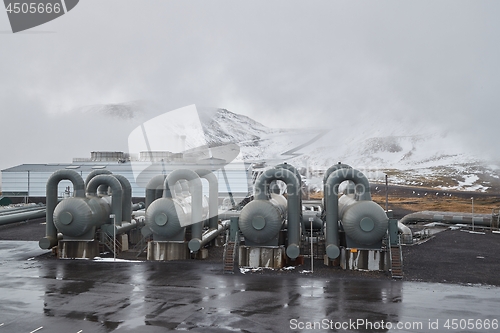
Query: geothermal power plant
x=182, y=217
x=191, y=209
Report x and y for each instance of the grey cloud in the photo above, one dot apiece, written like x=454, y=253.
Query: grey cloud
x=284, y=63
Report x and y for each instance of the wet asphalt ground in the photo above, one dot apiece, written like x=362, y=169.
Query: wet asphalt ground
x=40, y=294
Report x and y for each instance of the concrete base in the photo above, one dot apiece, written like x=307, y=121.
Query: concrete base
x=366, y=260
x=220, y=240
x=124, y=241
x=202, y=254
x=331, y=262
x=271, y=257
x=168, y=250
x=74, y=249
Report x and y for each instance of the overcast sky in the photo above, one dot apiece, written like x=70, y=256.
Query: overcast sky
x=283, y=63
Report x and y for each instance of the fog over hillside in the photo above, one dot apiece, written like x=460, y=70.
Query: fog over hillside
x=411, y=155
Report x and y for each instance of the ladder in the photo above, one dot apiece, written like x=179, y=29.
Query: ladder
x=229, y=255
x=141, y=246
x=396, y=262
x=107, y=240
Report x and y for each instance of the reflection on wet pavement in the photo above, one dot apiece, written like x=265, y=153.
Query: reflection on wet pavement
x=87, y=296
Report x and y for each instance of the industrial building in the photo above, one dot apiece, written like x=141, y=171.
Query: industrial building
x=28, y=181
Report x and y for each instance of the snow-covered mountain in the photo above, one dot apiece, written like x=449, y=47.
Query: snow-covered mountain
x=410, y=153
x=419, y=158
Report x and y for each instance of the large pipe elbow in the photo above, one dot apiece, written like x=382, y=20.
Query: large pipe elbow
x=154, y=186
x=116, y=196
x=50, y=240
x=126, y=198
x=195, y=187
x=294, y=208
x=332, y=201
x=213, y=196
x=103, y=189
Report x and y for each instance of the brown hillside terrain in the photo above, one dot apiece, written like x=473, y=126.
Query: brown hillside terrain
x=405, y=199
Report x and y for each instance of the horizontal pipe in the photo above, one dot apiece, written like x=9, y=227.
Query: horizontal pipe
x=22, y=216
x=138, y=206
x=483, y=220
x=17, y=210
x=120, y=229
x=211, y=234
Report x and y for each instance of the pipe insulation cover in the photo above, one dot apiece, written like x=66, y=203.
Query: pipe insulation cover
x=213, y=196
x=74, y=217
x=116, y=196
x=364, y=221
x=195, y=187
x=332, y=204
x=294, y=209
x=162, y=218
x=260, y=220
x=50, y=240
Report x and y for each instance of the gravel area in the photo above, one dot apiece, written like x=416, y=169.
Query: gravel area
x=454, y=256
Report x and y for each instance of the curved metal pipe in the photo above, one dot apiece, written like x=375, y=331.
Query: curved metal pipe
x=261, y=192
x=154, y=186
x=213, y=196
x=297, y=174
x=126, y=198
x=116, y=196
x=332, y=204
x=327, y=174
x=406, y=232
x=184, y=188
x=195, y=187
x=50, y=239
x=103, y=189
x=22, y=216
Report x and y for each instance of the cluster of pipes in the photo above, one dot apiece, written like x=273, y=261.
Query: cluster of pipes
x=176, y=201
x=363, y=221
x=175, y=204
x=103, y=201
x=18, y=214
